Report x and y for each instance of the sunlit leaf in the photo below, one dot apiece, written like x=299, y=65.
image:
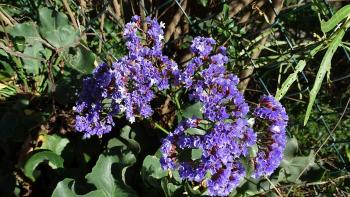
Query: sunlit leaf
x=195, y=131
x=65, y=188
x=108, y=172
x=323, y=70
x=193, y=110
x=80, y=59
x=49, y=157
x=55, y=28
x=54, y=143
x=33, y=48
x=336, y=19
x=290, y=80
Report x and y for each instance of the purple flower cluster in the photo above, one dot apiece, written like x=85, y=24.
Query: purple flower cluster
x=224, y=107
x=178, y=141
x=90, y=107
x=129, y=85
x=211, y=150
x=221, y=150
x=210, y=83
x=230, y=136
x=272, y=142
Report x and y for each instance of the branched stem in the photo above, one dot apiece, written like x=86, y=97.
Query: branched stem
x=158, y=126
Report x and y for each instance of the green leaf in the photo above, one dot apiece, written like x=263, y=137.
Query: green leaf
x=324, y=68
x=127, y=134
x=170, y=189
x=290, y=80
x=54, y=143
x=108, y=174
x=65, y=188
x=203, y=3
x=253, y=151
x=152, y=172
x=55, y=28
x=151, y=167
x=291, y=148
x=336, y=19
x=50, y=157
x=33, y=48
x=193, y=110
x=80, y=59
x=292, y=167
x=347, y=151
x=196, y=154
x=3, y=53
x=27, y=30
x=225, y=13
x=315, y=50
x=33, y=66
x=195, y=131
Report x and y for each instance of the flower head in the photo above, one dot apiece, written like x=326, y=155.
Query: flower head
x=129, y=85
x=271, y=148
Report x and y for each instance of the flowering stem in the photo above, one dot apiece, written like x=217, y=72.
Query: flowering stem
x=161, y=128
x=177, y=102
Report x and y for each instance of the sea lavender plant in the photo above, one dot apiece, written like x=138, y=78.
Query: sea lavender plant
x=130, y=84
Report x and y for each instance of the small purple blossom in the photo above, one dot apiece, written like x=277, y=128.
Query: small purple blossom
x=202, y=46
x=230, y=136
x=226, y=179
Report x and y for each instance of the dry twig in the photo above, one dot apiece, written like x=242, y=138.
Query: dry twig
x=175, y=21
x=70, y=13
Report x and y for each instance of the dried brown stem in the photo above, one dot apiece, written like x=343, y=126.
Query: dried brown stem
x=271, y=15
x=118, y=10
x=143, y=13
x=102, y=22
x=175, y=21
x=237, y=6
x=70, y=13
x=6, y=20
x=177, y=32
x=83, y=7
x=19, y=54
